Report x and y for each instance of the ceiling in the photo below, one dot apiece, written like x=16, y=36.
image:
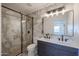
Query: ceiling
x=27, y=8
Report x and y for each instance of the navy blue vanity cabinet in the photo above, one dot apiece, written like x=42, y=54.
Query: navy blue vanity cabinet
x=51, y=49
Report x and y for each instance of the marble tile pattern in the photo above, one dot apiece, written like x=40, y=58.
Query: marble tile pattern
x=11, y=32
x=37, y=29
x=27, y=37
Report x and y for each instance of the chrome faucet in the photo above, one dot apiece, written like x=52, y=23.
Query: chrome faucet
x=62, y=38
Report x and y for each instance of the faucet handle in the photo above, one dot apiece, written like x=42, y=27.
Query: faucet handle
x=66, y=40
x=59, y=39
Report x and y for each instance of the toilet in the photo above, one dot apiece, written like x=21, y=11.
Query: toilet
x=32, y=50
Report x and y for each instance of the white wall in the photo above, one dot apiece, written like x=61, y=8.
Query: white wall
x=76, y=23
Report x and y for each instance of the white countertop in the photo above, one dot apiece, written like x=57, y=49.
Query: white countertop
x=69, y=43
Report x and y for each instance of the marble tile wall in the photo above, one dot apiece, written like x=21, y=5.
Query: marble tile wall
x=11, y=32
x=27, y=37
x=37, y=29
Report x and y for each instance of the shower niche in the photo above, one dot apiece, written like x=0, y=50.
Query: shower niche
x=61, y=24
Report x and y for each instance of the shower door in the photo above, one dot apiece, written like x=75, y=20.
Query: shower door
x=16, y=32
x=11, y=32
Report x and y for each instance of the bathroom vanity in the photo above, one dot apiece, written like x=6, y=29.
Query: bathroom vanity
x=53, y=48
x=58, y=25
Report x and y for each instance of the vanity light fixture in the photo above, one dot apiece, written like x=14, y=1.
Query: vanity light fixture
x=57, y=11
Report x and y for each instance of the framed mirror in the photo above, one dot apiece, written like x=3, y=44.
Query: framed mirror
x=61, y=24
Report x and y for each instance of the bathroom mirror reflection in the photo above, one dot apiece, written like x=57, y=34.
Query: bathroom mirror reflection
x=61, y=24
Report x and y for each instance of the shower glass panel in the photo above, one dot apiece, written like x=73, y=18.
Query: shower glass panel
x=24, y=33
x=11, y=32
x=27, y=32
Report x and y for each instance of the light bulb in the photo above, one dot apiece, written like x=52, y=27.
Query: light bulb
x=51, y=14
x=57, y=13
x=63, y=11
